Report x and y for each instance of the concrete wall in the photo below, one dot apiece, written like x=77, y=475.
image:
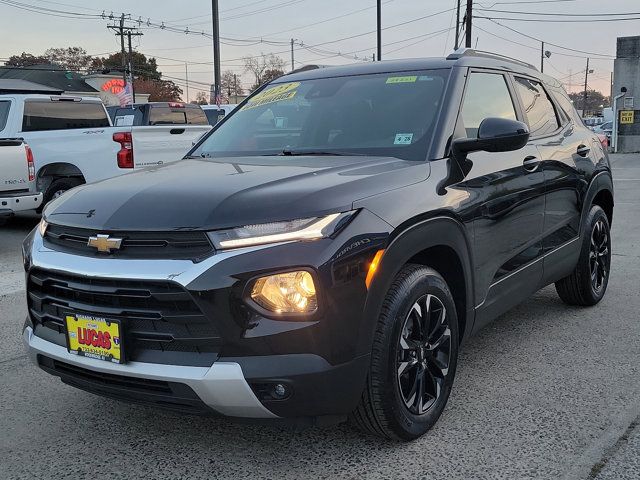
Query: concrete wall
x=627, y=74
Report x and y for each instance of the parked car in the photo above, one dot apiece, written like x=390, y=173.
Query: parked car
x=17, y=176
x=73, y=141
x=215, y=113
x=317, y=270
x=158, y=113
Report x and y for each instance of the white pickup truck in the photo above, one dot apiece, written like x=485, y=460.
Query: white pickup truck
x=74, y=142
x=17, y=178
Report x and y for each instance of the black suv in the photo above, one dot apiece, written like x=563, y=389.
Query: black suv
x=323, y=252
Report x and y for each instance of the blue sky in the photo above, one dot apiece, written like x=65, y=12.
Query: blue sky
x=308, y=21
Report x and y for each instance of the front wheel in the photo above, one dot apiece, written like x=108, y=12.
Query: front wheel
x=414, y=357
x=588, y=282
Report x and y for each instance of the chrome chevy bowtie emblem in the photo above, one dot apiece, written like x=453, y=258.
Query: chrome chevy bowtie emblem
x=105, y=243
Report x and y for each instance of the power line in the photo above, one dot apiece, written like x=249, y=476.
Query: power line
x=547, y=42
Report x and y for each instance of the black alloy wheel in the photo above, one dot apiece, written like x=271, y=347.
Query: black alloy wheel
x=424, y=354
x=599, y=255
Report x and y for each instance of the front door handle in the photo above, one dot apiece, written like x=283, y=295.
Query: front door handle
x=583, y=150
x=531, y=163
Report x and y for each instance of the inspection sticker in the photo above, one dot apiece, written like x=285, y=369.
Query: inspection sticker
x=403, y=139
x=277, y=93
x=408, y=79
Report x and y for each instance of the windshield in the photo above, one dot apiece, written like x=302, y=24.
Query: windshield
x=391, y=114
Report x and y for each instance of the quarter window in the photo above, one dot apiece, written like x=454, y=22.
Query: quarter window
x=487, y=96
x=539, y=110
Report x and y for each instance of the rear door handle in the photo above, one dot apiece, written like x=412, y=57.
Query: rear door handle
x=583, y=150
x=531, y=163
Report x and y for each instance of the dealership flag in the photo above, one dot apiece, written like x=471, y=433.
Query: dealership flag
x=125, y=95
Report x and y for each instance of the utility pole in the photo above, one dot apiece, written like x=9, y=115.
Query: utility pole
x=133, y=90
x=584, y=98
x=379, y=9
x=216, y=51
x=127, y=65
x=457, y=25
x=469, y=23
x=235, y=88
x=186, y=78
x=293, y=64
x=542, y=58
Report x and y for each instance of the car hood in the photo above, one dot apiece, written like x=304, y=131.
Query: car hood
x=222, y=193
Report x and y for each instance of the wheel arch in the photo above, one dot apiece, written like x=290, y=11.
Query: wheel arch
x=439, y=242
x=600, y=193
x=51, y=171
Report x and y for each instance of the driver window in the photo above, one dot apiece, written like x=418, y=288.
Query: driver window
x=487, y=95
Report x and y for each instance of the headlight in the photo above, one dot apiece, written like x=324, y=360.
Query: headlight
x=290, y=292
x=301, y=229
x=42, y=227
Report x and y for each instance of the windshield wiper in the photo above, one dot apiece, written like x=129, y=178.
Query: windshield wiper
x=314, y=153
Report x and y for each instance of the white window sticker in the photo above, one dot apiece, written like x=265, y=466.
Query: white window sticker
x=403, y=139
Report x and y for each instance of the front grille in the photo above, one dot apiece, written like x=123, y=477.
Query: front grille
x=170, y=245
x=170, y=395
x=161, y=323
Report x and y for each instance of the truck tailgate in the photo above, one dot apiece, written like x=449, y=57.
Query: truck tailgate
x=14, y=172
x=156, y=145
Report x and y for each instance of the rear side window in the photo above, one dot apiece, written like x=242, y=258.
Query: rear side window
x=195, y=116
x=566, y=105
x=214, y=116
x=4, y=113
x=50, y=115
x=540, y=112
x=487, y=96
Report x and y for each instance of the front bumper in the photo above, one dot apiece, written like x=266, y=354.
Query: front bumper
x=322, y=359
x=221, y=387
x=18, y=203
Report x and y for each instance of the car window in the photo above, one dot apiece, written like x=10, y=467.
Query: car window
x=538, y=108
x=4, y=113
x=487, y=96
x=195, y=116
x=62, y=115
x=161, y=115
x=385, y=114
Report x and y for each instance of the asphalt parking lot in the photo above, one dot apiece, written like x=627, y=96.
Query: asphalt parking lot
x=547, y=391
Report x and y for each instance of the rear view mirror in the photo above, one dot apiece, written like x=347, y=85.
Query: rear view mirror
x=494, y=135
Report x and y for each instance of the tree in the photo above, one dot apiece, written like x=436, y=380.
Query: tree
x=259, y=65
x=230, y=85
x=201, y=99
x=158, y=90
x=25, y=60
x=271, y=74
x=70, y=58
x=595, y=100
x=143, y=67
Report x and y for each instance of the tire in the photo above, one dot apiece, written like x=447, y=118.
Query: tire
x=587, y=284
x=387, y=408
x=59, y=186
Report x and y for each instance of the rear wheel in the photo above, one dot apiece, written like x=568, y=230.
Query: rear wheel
x=587, y=284
x=414, y=357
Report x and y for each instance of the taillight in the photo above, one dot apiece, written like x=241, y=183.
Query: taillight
x=30, y=166
x=125, y=154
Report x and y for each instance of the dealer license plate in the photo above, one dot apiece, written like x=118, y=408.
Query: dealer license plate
x=94, y=337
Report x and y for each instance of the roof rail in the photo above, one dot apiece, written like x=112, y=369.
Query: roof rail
x=470, y=52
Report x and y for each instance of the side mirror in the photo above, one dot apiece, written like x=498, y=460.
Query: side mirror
x=494, y=135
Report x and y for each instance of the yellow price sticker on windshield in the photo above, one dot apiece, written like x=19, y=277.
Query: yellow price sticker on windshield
x=277, y=93
x=407, y=79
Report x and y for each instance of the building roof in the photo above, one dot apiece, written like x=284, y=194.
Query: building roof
x=52, y=76
x=10, y=85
